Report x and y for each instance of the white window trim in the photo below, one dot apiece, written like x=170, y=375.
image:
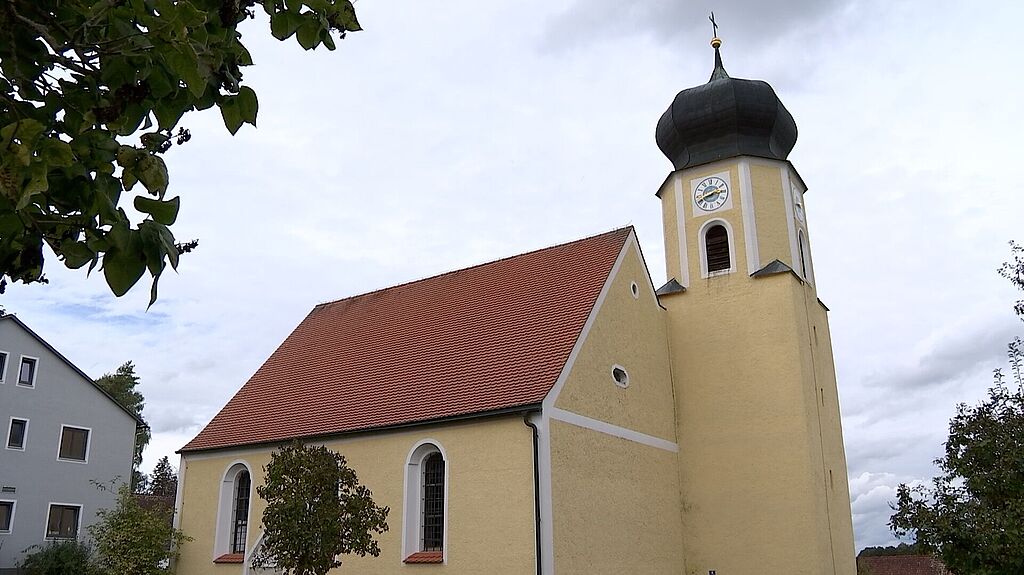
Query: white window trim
x=412, y=490
x=703, y=246
x=46, y=521
x=7, y=361
x=615, y=381
x=14, y=511
x=35, y=372
x=88, y=443
x=24, y=438
x=226, y=507
x=807, y=271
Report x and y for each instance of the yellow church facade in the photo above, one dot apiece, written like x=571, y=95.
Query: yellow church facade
x=553, y=412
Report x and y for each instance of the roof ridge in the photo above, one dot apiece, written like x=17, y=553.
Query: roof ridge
x=467, y=268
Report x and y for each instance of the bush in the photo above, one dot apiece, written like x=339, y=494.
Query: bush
x=60, y=558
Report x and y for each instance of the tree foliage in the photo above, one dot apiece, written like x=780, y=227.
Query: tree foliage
x=316, y=511
x=163, y=481
x=133, y=540
x=901, y=549
x=121, y=386
x=972, y=516
x=59, y=558
x=91, y=92
x=1013, y=270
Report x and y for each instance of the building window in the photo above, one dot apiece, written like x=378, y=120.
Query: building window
x=426, y=504
x=74, y=444
x=3, y=366
x=620, y=377
x=63, y=521
x=16, y=434
x=27, y=372
x=233, y=514
x=6, y=516
x=716, y=248
x=433, y=503
x=240, y=514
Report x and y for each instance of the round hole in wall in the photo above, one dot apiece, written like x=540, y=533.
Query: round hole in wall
x=620, y=376
x=635, y=290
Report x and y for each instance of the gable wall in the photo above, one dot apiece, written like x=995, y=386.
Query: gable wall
x=490, y=507
x=631, y=333
x=60, y=396
x=615, y=501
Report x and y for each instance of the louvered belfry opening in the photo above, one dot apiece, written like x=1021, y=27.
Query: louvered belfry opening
x=716, y=246
x=433, y=503
x=240, y=524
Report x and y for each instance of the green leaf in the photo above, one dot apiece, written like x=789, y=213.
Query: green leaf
x=37, y=183
x=25, y=131
x=308, y=33
x=122, y=270
x=164, y=212
x=283, y=25
x=56, y=152
x=185, y=64
x=232, y=114
x=248, y=105
x=76, y=254
x=169, y=111
x=347, y=16
x=152, y=172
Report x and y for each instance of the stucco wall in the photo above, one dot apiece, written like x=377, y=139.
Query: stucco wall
x=615, y=501
x=616, y=505
x=60, y=397
x=490, y=497
x=629, y=332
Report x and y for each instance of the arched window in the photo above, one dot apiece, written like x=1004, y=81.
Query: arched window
x=432, y=523
x=803, y=260
x=426, y=504
x=233, y=515
x=716, y=248
x=240, y=514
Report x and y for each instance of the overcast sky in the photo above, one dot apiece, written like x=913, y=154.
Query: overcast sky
x=452, y=133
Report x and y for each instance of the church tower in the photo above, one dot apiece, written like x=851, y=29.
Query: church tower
x=762, y=465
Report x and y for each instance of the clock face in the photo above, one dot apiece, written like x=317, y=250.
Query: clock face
x=711, y=193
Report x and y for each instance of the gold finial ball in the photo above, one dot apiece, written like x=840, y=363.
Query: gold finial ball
x=716, y=42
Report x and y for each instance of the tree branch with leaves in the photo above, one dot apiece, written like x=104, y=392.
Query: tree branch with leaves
x=91, y=96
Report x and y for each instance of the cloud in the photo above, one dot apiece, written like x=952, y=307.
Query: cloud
x=751, y=23
x=870, y=497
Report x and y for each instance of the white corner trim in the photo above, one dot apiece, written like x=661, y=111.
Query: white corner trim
x=787, y=196
x=179, y=492
x=684, y=266
x=613, y=430
x=749, y=226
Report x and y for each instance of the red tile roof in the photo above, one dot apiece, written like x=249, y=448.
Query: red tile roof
x=482, y=339
x=902, y=565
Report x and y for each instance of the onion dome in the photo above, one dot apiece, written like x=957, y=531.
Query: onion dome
x=724, y=118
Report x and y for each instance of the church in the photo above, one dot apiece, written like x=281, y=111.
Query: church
x=555, y=412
